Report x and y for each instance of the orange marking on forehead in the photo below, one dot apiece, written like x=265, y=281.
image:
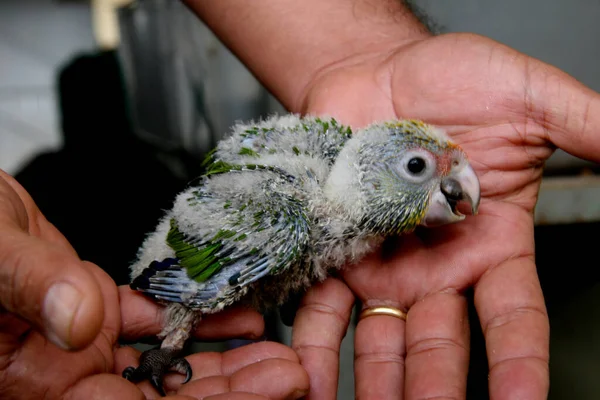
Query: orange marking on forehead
x=444, y=160
x=444, y=164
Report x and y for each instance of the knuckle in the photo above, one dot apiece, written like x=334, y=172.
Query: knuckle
x=379, y=358
x=519, y=359
x=325, y=310
x=435, y=344
x=513, y=315
x=15, y=277
x=317, y=348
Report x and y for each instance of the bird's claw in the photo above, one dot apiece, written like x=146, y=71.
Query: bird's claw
x=154, y=363
x=182, y=366
x=128, y=372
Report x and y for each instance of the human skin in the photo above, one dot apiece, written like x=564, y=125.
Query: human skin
x=367, y=60
x=70, y=350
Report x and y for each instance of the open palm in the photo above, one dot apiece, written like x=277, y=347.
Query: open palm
x=507, y=111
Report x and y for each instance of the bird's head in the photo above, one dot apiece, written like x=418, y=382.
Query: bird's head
x=393, y=176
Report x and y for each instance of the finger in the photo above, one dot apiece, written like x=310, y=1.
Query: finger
x=511, y=309
x=236, y=396
x=437, y=348
x=50, y=287
x=236, y=359
x=320, y=325
x=273, y=378
x=42, y=280
x=55, y=369
x=103, y=386
x=379, y=346
x=228, y=363
x=211, y=363
x=112, y=313
x=142, y=317
x=568, y=110
x=19, y=208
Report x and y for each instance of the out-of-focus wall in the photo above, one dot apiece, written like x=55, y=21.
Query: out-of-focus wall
x=36, y=37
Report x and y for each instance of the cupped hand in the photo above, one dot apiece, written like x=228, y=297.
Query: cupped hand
x=262, y=369
x=508, y=111
x=61, y=318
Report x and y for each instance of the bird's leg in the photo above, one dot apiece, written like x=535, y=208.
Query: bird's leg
x=154, y=363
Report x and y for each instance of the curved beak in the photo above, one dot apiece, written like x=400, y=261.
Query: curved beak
x=461, y=185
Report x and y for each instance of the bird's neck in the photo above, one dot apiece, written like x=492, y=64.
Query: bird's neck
x=343, y=185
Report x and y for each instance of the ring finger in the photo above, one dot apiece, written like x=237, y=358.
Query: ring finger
x=379, y=344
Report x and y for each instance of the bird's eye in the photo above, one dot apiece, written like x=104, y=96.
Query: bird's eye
x=416, y=165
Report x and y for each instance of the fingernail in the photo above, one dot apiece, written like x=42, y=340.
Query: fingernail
x=60, y=306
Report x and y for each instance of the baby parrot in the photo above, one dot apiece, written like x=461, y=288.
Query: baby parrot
x=283, y=202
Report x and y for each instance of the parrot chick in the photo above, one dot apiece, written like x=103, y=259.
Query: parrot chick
x=283, y=202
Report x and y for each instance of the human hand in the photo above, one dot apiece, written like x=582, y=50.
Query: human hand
x=255, y=371
x=365, y=60
x=508, y=111
x=55, y=347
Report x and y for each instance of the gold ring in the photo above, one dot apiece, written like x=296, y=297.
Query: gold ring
x=391, y=311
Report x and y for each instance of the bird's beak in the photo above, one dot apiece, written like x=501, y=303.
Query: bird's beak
x=460, y=185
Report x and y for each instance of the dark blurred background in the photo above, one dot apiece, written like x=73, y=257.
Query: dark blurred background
x=106, y=113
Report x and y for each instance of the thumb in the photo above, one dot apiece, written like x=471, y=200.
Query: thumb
x=568, y=110
x=48, y=286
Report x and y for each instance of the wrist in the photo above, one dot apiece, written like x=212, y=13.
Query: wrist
x=291, y=43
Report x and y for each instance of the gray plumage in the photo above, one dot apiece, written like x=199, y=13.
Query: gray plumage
x=287, y=199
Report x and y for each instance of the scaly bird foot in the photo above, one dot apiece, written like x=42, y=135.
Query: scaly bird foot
x=154, y=363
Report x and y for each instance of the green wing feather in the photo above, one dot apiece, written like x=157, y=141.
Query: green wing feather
x=280, y=216
x=200, y=262
x=284, y=218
